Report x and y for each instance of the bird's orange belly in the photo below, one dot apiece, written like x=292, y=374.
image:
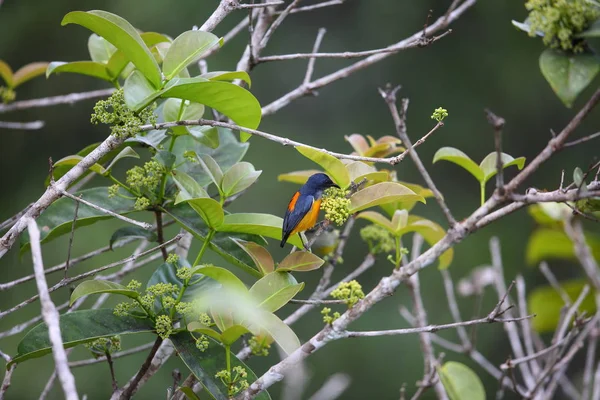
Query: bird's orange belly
x=310, y=219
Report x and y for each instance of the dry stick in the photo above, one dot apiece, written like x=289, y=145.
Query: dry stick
x=143, y=225
x=68, y=281
x=574, y=230
x=311, y=62
x=554, y=283
x=281, y=140
x=21, y=327
x=132, y=387
x=6, y=381
x=526, y=325
x=267, y=36
x=223, y=9
x=582, y=140
x=14, y=218
x=55, y=100
x=389, y=96
x=454, y=310
x=588, y=372
x=429, y=358
x=497, y=123
x=316, y=6
x=51, y=317
x=333, y=387
x=260, y=5
x=34, y=125
x=387, y=285
x=71, y=237
x=511, y=330
x=596, y=393
x=357, y=66
x=124, y=353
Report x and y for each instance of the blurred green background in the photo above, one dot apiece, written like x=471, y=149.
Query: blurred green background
x=485, y=62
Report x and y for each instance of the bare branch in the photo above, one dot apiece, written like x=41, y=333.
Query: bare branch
x=224, y=8
x=143, y=225
x=50, y=314
x=554, y=283
x=71, y=239
x=6, y=381
x=574, y=230
x=333, y=387
x=55, y=100
x=389, y=95
x=582, y=140
x=311, y=62
x=497, y=123
x=260, y=5
x=316, y=6
x=132, y=386
x=101, y=359
x=33, y=125
x=303, y=90
x=14, y=218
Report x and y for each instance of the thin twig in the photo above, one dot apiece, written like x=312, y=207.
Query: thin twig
x=132, y=386
x=554, y=283
x=51, y=317
x=14, y=218
x=7, y=380
x=316, y=6
x=260, y=5
x=389, y=95
x=582, y=140
x=590, y=358
x=143, y=225
x=28, y=126
x=124, y=353
x=68, y=281
x=55, y=100
x=311, y=62
x=497, y=123
x=71, y=237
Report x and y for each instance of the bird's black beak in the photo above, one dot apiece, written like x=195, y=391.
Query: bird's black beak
x=336, y=186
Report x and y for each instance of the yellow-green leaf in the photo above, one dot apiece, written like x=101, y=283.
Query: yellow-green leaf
x=459, y=158
x=381, y=193
x=332, y=166
x=460, y=382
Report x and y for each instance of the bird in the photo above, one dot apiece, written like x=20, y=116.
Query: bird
x=303, y=209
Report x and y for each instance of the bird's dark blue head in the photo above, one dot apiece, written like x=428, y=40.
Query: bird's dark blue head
x=317, y=184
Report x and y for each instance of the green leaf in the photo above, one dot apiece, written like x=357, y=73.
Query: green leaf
x=300, y=261
x=261, y=256
x=222, y=243
x=377, y=219
x=123, y=36
x=28, y=72
x=205, y=364
x=58, y=217
x=381, y=193
x=568, y=74
x=223, y=276
x=6, y=74
x=359, y=171
x=229, y=99
x=211, y=168
x=258, y=224
x=89, y=68
x=399, y=220
x=118, y=61
x=275, y=290
x=191, y=111
x=546, y=303
x=138, y=91
x=461, y=382
x=390, y=208
x=96, y=286
x=551, y=244
x=226, y=155
x=71, y=161
x=459, y=158
x=334, y=167
x=299, y=177
x=210, y=210
x=432, y=233
x=188, y=392
x=186, y=49
x=239, y=178
x=488, y=165
x=206, y=135
x=592, y=31
x=269, y=324
x=100, y=49
x=79, y=327
x=132, y=231
x=196, y=326
x=166, y=158
x=228, y=76
x=233, y=333
x=188, y=187
x=127, y=152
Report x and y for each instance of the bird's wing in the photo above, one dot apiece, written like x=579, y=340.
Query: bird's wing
x=297, y=209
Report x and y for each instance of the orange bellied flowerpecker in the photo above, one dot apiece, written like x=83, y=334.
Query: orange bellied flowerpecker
x=303, y=210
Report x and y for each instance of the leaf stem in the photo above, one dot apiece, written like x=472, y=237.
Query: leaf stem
x=207, y=240
x=163, y=183
x=159, y=233
x=482, y=190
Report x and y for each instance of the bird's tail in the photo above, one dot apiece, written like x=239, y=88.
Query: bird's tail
x=284, y=239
